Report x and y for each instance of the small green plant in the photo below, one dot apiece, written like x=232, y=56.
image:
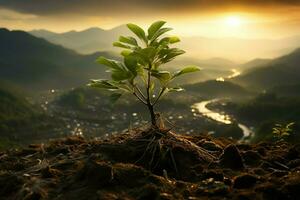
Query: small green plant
x=281, y=130
x=140, y=73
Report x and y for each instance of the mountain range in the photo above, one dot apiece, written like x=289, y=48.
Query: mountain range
x=97, y=39
x=36, y=63
x=87, y=41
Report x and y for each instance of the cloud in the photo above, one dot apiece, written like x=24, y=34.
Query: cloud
x=130, y=7
x=10, y=15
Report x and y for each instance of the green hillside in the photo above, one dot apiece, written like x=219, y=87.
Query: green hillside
x=280, y=71
x=23, y=122
x=37, y=64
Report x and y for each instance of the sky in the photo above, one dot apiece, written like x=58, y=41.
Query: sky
x=211, y=18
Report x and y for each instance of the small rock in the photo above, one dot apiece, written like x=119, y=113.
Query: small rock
x=251, y=157
x=231, y=158
x=244, y=181
x=211, y=146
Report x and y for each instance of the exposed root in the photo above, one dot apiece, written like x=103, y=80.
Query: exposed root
x=158, y=148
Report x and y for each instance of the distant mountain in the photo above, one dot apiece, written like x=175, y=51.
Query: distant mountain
x=254, y=63
x=215, y=89
x=86, y=41
x=284, y=70
x=237, y=49
x=37, y=64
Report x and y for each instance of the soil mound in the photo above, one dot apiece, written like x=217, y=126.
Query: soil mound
x=151, y=164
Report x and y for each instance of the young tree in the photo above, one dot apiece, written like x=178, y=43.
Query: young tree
x=142, y=60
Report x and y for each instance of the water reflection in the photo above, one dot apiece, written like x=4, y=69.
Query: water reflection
x=219, y=117
x=201, y=107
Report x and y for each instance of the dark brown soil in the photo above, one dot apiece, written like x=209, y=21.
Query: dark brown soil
x=151, y=165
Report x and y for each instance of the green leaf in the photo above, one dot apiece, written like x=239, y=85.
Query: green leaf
x=126, y=53
x=159, y=33
x=186, y=70
x=166, y=55
x=131, y=63
x=119, y=44
x=169, y=40
x=154, y=28
x=145, y=55
x=114, y=97
x=174, y=39
x=103, y=84
x=163, y=76
x=138, y=31
x=124, y=87
x=128, y=40
x=109, y=63
x=290, y=124
x=120, y=75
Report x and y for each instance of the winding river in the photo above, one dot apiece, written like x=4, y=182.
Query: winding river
x=220, y=117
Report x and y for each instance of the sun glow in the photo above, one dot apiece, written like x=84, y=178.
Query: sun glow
x=233, y=21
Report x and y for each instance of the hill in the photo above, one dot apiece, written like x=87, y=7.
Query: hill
x=22, y=122
x=286, y=90
x=280, y=71
x=97, y=39
x=37, y=64
x=254, y=63
x=86, y=41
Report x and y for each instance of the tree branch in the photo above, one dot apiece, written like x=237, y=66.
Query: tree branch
x=161, y=92
x=140, y=92
x=139, y=98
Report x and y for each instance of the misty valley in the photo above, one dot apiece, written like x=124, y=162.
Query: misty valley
x=258, y=96
x=226, y=128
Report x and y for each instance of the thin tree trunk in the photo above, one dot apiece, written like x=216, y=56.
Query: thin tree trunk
x=152, y=114
x=149, y=104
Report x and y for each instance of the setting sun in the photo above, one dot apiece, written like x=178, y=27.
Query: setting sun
x=233, y=21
